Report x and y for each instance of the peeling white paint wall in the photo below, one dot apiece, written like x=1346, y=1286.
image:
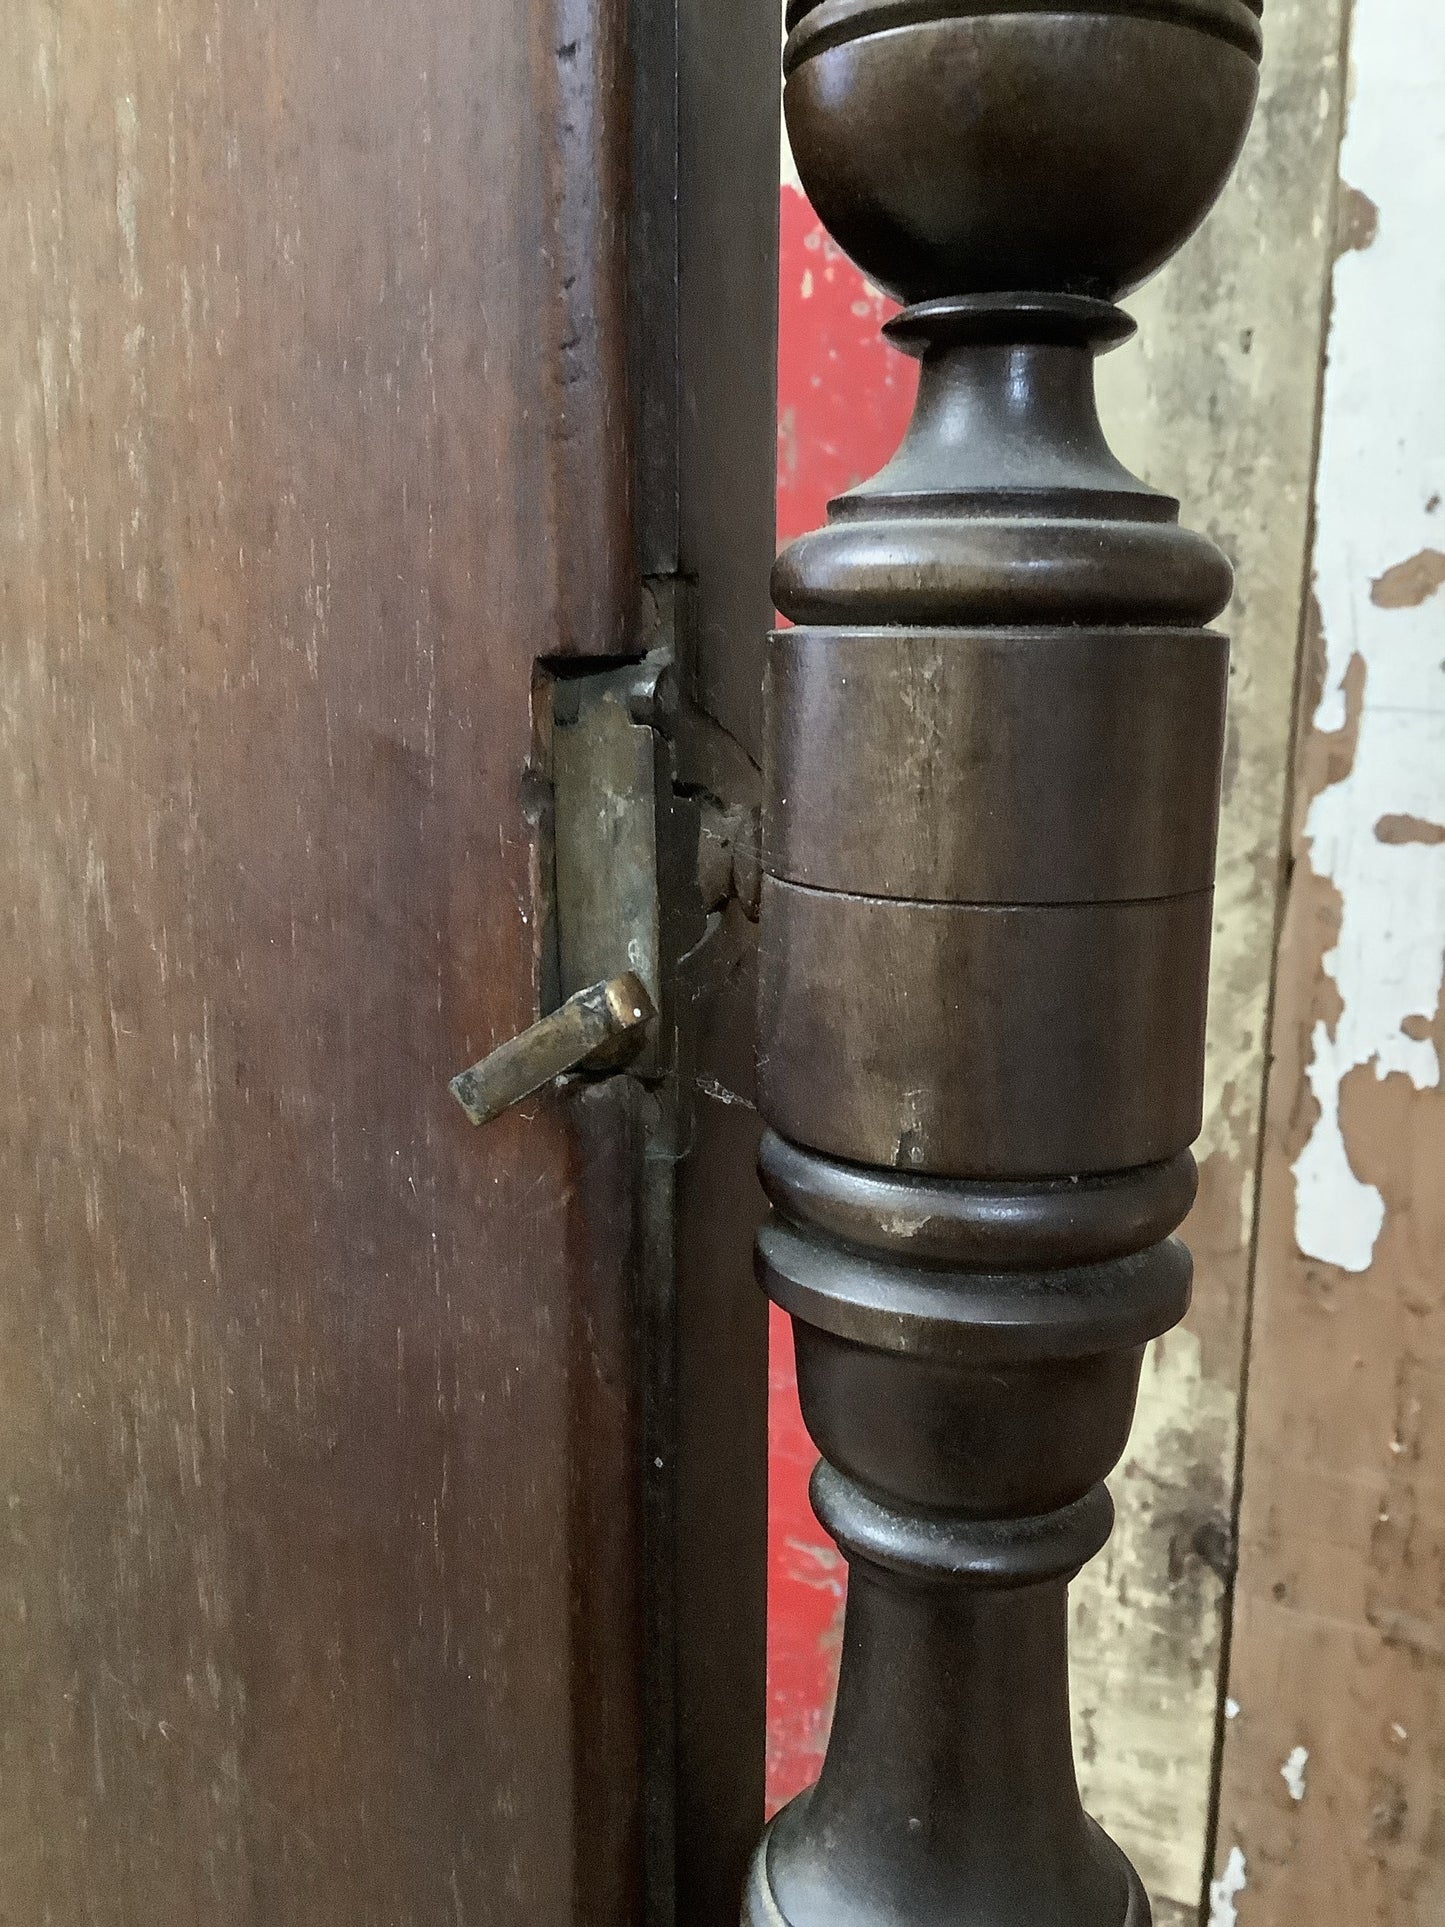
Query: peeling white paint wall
x=1379, y=835
x=1226, y=1890
x=1215, y=402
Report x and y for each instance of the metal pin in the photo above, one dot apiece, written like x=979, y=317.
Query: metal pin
x=564, y=1040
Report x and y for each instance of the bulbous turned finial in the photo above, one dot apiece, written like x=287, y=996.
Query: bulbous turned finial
x=1009, y=168
x=969, y=146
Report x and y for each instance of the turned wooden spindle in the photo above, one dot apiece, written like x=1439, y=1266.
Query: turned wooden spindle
x=994, y=742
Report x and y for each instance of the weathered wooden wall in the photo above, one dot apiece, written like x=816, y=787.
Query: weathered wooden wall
x=1333, y=1795
x=1334, y=1639
x=1215, y=401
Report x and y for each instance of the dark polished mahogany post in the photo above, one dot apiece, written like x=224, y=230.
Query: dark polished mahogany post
x=994, y=740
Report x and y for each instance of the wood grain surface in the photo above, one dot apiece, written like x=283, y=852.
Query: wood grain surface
x=312, y=441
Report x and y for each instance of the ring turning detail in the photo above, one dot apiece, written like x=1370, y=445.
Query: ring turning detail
x=994, y=747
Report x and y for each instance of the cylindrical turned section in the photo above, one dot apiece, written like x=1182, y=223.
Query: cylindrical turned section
x=996, y=1441
x=983, y=1041
x=1009, y=569
x=996, y=766
x=994, y=751
x=964, y=1392
x=948, y=1793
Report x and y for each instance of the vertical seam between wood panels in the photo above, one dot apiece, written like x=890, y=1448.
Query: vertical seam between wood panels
x=1284, y=874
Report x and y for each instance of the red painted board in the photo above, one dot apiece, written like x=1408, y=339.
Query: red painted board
x=844, y=397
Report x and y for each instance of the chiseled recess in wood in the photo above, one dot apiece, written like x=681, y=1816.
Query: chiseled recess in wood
x=1215, y=402
x=1339, y=1637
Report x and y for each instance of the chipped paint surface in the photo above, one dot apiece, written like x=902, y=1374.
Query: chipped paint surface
x=1376, y=834
x=1215, y=402
x=1339, y=1636
x=1145, y=1689
x=1225, y=1891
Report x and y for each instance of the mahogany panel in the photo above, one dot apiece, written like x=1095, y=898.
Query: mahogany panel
x=318, y=1430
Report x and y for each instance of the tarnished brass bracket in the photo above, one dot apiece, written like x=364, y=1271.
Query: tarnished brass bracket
x=612, y=805
x=607, y=733
x=639, y=864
